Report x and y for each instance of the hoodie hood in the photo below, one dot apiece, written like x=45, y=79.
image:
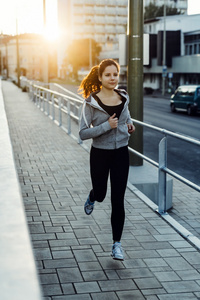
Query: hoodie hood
x=90, y=100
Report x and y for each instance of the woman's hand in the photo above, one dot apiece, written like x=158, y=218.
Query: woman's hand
x=131, y=128
x=113, y=121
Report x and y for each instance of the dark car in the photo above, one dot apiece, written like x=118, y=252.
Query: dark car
x=186, y=98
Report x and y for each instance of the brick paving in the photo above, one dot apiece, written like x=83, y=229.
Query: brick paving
x=72, y=250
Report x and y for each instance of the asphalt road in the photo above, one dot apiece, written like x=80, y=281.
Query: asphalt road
x=183, y=157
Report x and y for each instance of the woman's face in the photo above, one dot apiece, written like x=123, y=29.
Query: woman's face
x=110, y=77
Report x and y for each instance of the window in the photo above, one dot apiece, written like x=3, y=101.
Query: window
x=186, y=50
x=195, y=48
x=190, y=50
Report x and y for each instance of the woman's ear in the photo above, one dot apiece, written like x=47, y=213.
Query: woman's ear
x=99, y=78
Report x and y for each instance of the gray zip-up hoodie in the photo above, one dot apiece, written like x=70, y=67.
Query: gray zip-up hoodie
x=94, y=124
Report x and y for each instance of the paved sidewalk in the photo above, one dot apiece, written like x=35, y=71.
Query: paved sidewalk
x=72, y=250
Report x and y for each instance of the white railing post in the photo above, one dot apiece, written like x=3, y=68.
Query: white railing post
x=53, y=108
x=60, y=110
x=79, y=118
x=48, y=98
x=162, y=176
x=40, y=94
x=36, y=96
x=42, y=106
x=69, y=117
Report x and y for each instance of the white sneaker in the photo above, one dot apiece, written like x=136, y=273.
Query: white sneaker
x=117, y=252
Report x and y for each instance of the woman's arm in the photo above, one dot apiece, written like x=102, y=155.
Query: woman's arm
x=86, y=131
x=131, y=127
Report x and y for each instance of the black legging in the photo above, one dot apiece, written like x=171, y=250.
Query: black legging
x=103, y=161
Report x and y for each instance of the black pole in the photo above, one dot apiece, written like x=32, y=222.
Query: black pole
x=135, y=75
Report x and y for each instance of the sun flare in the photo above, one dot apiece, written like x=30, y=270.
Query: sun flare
x=51, y=34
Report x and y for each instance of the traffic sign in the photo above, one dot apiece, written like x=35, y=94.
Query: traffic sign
x=170, y=75
x=164, y=69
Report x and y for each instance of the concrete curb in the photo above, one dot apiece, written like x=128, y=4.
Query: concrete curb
x=18, y=271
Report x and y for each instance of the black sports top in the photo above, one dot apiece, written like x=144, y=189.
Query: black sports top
x=111, y=109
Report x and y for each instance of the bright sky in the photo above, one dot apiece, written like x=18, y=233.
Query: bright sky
x=30, y=15
x=193, y=7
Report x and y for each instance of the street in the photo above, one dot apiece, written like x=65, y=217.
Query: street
x=183, y=157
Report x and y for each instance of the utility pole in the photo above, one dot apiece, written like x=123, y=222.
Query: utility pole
x=7, y=68
x=17, y=48
x=164, y=71
x=45, y=65
x=2, y=53
x=135, y=75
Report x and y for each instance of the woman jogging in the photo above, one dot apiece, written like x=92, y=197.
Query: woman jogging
x=106, y=120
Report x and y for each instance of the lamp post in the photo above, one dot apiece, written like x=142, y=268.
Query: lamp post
x=17, y=48
x=2, y=44
x=45, y=65
x=164, y=71
x=7, y=68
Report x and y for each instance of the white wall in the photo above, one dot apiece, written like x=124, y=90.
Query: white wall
x=185, y=23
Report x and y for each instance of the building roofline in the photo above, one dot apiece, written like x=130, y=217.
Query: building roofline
x=192, y=32
x=151, y=20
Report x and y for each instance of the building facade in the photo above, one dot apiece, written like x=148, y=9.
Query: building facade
x=30, y=56
x=182, y=51
x=31, y=49
x=101, y=20
x=181, y=5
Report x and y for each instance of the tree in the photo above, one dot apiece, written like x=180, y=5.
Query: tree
x=153, y=11
x=78, y=53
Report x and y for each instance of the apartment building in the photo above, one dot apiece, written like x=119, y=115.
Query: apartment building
x=181, y=5
x=31, y=56
x=182, y=51
x=101, y=20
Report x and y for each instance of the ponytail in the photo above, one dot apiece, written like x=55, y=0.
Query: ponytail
x=91, y=82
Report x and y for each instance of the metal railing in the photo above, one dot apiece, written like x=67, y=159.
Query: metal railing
x=162, y=163
x=64, y=109
x=57, y=106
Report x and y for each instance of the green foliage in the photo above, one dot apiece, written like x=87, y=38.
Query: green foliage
x=153, y=11
x=78, y=53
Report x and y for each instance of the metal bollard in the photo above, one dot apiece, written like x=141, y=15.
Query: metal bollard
x=162, y=176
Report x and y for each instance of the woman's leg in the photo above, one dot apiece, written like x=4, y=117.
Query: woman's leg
x=99, y=170
x=118, y=176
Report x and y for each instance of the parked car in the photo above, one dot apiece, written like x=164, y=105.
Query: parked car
x=186, y=98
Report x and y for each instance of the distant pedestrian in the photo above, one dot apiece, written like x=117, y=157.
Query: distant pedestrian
x=106, y=120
